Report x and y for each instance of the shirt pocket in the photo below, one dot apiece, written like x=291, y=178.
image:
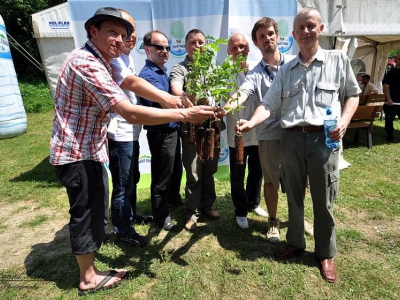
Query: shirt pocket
x=325, y=94
x=291, y=95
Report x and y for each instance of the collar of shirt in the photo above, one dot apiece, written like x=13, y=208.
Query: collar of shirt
x=99, y=56
x=152, y=66
x=271, y=70
x=320, y=55
x=127, y=60
x=265, y=64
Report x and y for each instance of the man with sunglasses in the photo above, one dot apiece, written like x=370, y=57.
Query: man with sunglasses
x=164, y=143
x=124, y=145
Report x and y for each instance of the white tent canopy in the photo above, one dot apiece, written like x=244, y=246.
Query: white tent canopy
x=365, y=30
x=55, y=40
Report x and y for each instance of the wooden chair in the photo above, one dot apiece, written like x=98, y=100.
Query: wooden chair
x=375, y=99
x=364, y=118
x=362, y=99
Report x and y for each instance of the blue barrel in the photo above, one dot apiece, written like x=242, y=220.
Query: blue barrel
x=12, y=112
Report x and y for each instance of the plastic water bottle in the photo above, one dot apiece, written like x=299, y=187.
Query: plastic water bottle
x=330, y=123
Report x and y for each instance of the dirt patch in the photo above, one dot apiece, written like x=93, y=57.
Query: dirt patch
x=372, y=229
x=19, y=240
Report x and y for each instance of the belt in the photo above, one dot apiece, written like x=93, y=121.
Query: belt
x=162, y=130
x=307, y=129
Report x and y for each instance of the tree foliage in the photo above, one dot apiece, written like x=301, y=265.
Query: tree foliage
x=17, y=18
x=394, y=52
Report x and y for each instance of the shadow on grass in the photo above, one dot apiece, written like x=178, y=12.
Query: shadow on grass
x=54, y=262
x=43, y=172
x=248, y=245
x=378, y=136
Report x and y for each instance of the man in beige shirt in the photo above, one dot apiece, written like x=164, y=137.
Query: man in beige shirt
x=302, y=89
x=368, y=87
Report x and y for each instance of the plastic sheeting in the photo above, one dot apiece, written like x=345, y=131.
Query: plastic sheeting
x=12, y=112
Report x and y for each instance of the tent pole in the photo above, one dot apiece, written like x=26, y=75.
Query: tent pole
x=374, y=64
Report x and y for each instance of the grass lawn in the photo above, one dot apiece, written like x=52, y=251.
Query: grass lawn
x=218, y=261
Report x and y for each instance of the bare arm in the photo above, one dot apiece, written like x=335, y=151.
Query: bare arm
x=177, y=90
x=262, y=113
x=349, y=109
x=386, y=91
x=137, y=114
x=146, y=90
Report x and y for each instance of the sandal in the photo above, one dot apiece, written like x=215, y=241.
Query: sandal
x=101, y=285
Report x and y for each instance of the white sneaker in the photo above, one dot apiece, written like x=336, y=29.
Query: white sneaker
x=242, y=222
x=259, y=211
x=308, y=228
x=273, y=230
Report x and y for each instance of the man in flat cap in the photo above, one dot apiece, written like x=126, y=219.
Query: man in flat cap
x=85, y=94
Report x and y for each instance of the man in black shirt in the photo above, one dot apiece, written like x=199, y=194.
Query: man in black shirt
x=391, y=88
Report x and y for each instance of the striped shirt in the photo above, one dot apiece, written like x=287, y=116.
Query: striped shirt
x=85, y=93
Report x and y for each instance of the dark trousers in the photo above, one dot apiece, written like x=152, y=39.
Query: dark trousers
x=86, y=183
x=122, y=168
x=200, y=187
x=245, y=199
x=166, y=170
x=390, y=114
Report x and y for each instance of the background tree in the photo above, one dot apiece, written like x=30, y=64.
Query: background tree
x=17, y=18
x=393, y=53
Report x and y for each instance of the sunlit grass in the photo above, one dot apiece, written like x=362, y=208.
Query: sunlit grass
x=218, y=261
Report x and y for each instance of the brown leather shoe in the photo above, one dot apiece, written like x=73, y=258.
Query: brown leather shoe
x=286, y=251
x=212, y=214
x=328, y=270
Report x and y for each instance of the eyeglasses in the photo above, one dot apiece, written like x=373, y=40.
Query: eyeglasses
x=159, y=47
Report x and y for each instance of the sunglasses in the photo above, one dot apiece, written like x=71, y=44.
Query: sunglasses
x=159, y=47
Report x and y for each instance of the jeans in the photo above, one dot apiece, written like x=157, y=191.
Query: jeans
x=122, y=165
x=166, y=170
x=245, y=199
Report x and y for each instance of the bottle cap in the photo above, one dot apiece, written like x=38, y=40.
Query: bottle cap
x=328, y=110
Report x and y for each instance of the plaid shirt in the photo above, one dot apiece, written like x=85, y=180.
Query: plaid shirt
x=84, y=95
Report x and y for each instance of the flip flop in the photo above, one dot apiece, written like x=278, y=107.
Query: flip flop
x=101, y=285
x=123, y=278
